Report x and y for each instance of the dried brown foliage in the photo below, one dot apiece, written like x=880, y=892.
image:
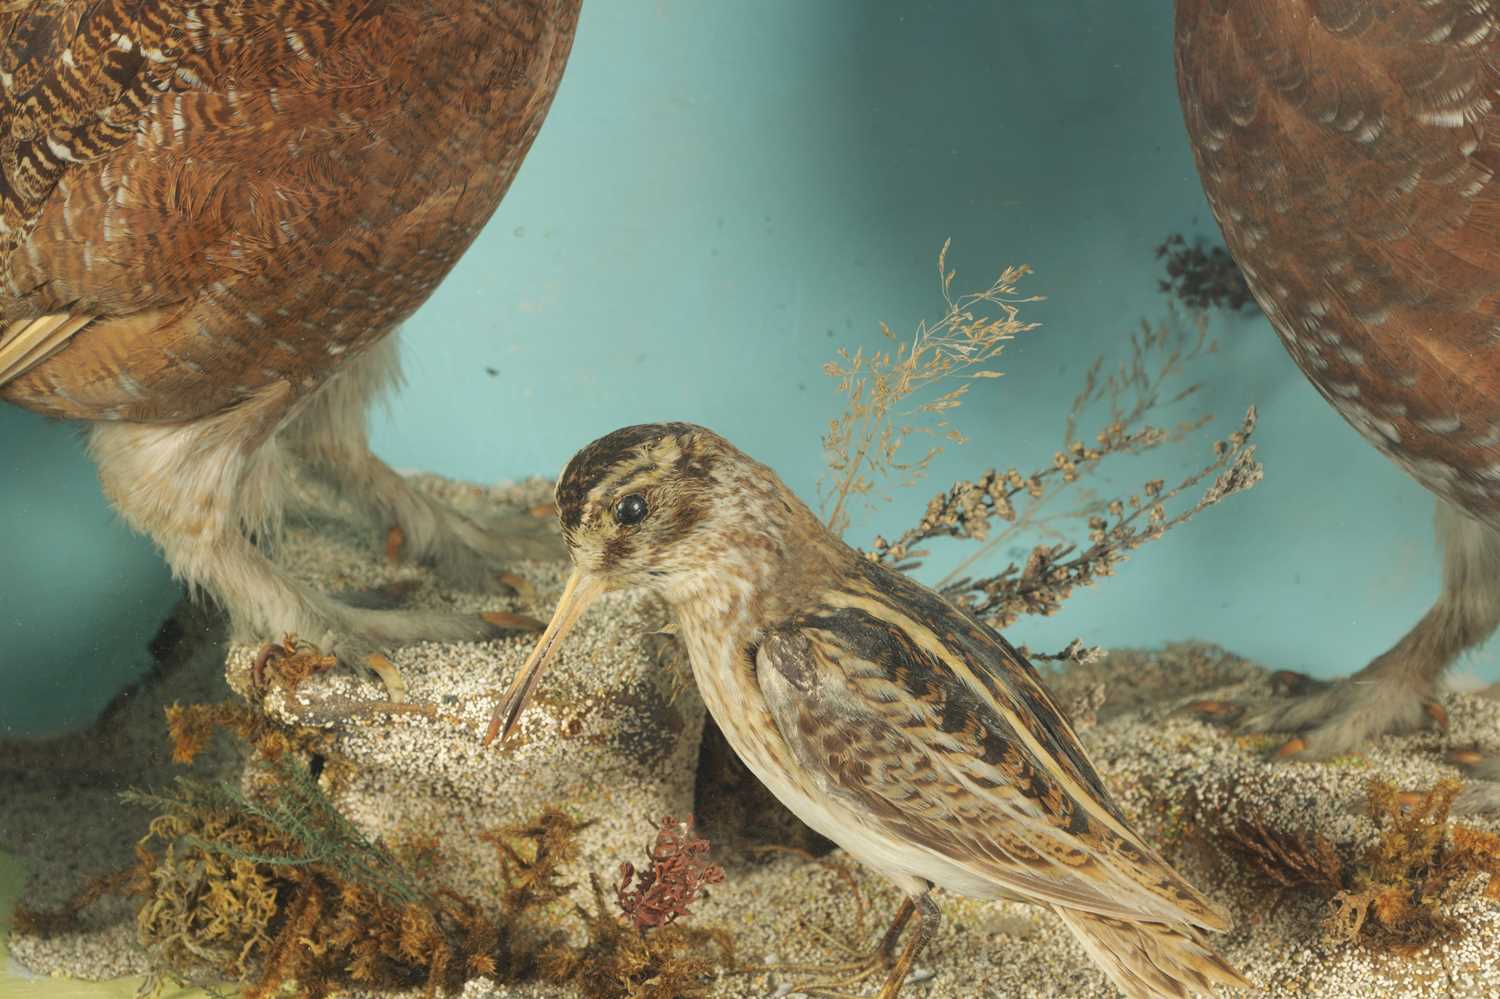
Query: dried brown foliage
x=191, y=728
x=677, y=872
x=1203, y=278
x=889, y=393
x=641, y=952
x=288, y=663
x=623, y=961
x=1000, y=504
x=1399, y=892
x=267, y=884
x=1395, y=895
x=273, y=886
x=1302, y=861
x=1053, y=571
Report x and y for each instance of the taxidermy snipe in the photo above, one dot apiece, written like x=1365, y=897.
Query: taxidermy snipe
x=887, y=719
x=213, y=214
x=1349, y=151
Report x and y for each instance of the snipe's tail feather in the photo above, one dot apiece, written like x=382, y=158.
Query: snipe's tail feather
x=1149, y=960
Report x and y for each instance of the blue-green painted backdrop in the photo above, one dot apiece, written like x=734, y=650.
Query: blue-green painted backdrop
x=722, y=195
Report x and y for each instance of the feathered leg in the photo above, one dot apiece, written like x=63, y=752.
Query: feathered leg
x=1394, y=692
x=330, y=435
x=1481, y=796
x=200, y=489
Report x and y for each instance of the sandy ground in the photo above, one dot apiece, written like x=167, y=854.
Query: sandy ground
x=616, y=739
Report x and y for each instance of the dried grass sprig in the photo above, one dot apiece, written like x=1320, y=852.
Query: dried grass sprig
x=1053, y=571
x=970, y=509
x=887, y=392
x=1000, y=504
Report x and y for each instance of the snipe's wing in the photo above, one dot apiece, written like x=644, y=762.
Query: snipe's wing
x=934, y=730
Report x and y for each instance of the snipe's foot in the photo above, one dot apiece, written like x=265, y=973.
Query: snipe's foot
x=888, y=962
x=852, y=979
x=1330, y=719
x=837, y=979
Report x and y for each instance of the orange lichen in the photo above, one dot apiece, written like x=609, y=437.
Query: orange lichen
x=191, y=728
x=1402, y=887
x=288, y=663
x=1396, y=894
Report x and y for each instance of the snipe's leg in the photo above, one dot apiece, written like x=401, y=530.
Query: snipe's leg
x=839, y=978
x=928, y=917
x=887, y=951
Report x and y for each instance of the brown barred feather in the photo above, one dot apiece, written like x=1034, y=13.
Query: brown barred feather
x=277, y=183
x=1149, y=960
x=1349, y=149
x=900, y=732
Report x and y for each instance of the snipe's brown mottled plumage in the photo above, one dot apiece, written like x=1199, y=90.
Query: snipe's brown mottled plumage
x=213, y=214
x=889, y=720
x=1349, y=150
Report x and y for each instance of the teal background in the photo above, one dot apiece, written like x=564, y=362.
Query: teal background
x=722, y=195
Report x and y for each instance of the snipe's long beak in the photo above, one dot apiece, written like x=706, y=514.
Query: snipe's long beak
x=582, y=590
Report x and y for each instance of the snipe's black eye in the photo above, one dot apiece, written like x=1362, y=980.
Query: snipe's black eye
x=631, y=509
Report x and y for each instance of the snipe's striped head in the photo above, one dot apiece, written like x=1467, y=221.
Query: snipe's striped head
x=631, y=502
x=660, y=506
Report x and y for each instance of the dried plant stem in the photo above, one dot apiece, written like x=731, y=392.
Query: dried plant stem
x=1023, y=523
x=1138, y=378
x=838, y=515
x=1001, y=504
x=1049, y=577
